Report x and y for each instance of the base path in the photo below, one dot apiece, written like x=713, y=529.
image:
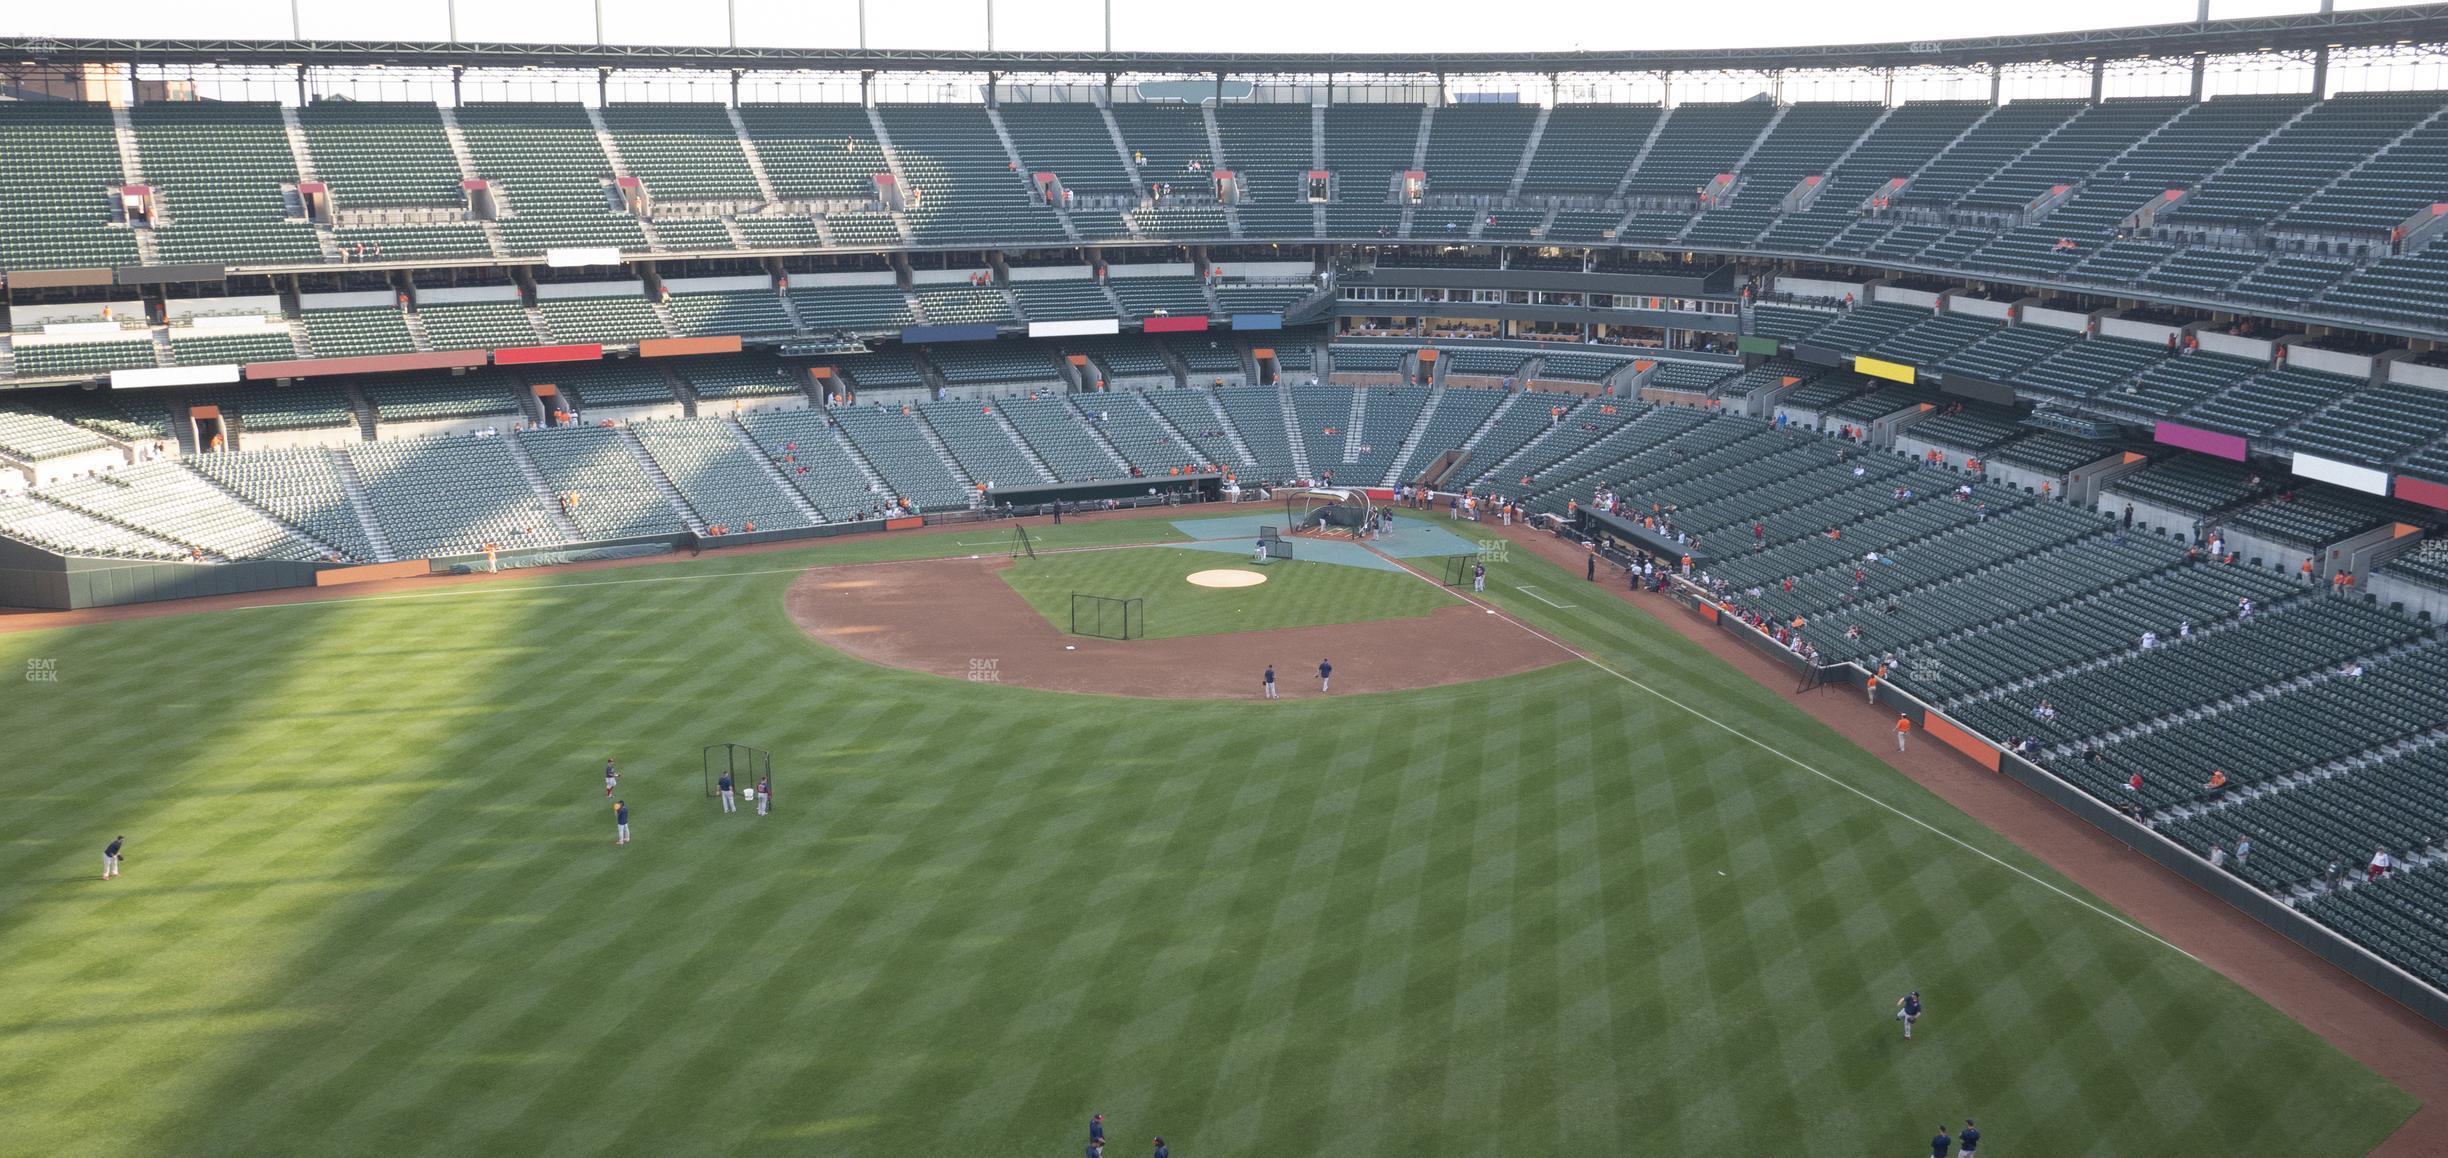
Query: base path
x=2386, y=1036
x=956, y=617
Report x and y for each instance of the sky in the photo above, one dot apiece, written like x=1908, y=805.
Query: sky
x=1138, y=25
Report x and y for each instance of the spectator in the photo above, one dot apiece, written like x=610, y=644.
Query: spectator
x=2380, y=866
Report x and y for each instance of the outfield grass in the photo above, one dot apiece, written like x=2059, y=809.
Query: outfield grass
x=1295, y=594
x=373, y=906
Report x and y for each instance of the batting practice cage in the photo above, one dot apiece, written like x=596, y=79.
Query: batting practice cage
x=747, y=766
x=1105, y=617
x=1458, y=569
x=1327, y=511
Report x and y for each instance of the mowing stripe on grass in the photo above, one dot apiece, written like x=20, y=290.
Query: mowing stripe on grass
x=1796, y=761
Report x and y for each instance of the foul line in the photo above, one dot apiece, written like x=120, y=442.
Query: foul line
x=1762, y=745
x=1532, y=592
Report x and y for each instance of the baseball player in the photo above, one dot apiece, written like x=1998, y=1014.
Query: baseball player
x=1325, y=676
x=1903, y=729
x=1270, y=683
x=1259, y=556
x=611, y=777
x=764, y=794
x=730, y=803
x=110, y=858
x=620, y=818
x=1908, y=1011
x=1479, y=577
x=1939, y=1144
x=1969, y=1140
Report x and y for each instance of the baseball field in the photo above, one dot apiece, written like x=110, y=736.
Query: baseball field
x=1627, y=904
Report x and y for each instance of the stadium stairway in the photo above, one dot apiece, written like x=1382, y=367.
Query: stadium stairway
x=353, y=485
x=773, y=472
x=1096, y=432
x=858, y=458
x=662, y=482
x=535, y=480
x=1292, y=432
x=1021, y=444
x=1242, y=459
x=756, y=163
x=1411, y=438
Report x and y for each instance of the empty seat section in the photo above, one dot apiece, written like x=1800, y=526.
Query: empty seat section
x=551, y=175
x=682, y=151
x=596, y=384
x=59, y=359
x=729, y=312
x=1475, y=148
x=812, y=458
x=1062, y=299
x=355, y=331
x=717, y=474
x=965, y=186
x=1699, y=141
x=604, y=491
x=1055, y=433
x=59, y=210
x=451, y=496
x=892, y=444
x=382, y=154
x=740, y=376
x=1366, y=146
x=69, y=532
x=852, y=307
x=222, y=175
x=1587, y=148
x=624, y=318
x=1803, y=143
x=299, y=486
x=1164, y=140
x=439, y=397
x=994, y=364
x=191, y=346
x=2268, y=401
x=963, y=304
x=1157, y=296
x=477, y=325
x=1132, y=426
x=1257, y=413
x=2302, y=157
x=1071, y=142
x=1903, y=142
x=1267, y=146
x=816, y=152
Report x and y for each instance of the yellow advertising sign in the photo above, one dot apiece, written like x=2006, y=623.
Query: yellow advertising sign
x=1879, y=368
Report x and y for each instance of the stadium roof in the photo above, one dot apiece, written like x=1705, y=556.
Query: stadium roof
x=2363, y=28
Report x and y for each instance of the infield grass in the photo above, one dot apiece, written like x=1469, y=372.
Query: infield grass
x=1296, y=593
x=373, y=907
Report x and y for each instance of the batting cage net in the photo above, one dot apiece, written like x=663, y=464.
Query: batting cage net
x=1458, y=569
x=1331, y=511
x=1277, y=547
x=1106, y=617
x=748, y=767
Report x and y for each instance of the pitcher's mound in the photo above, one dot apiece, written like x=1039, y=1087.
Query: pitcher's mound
x=1226, y=578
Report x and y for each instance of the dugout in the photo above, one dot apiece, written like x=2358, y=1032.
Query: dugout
x=1628, y=534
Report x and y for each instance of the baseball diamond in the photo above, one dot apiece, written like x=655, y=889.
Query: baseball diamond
x=1475, y=596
